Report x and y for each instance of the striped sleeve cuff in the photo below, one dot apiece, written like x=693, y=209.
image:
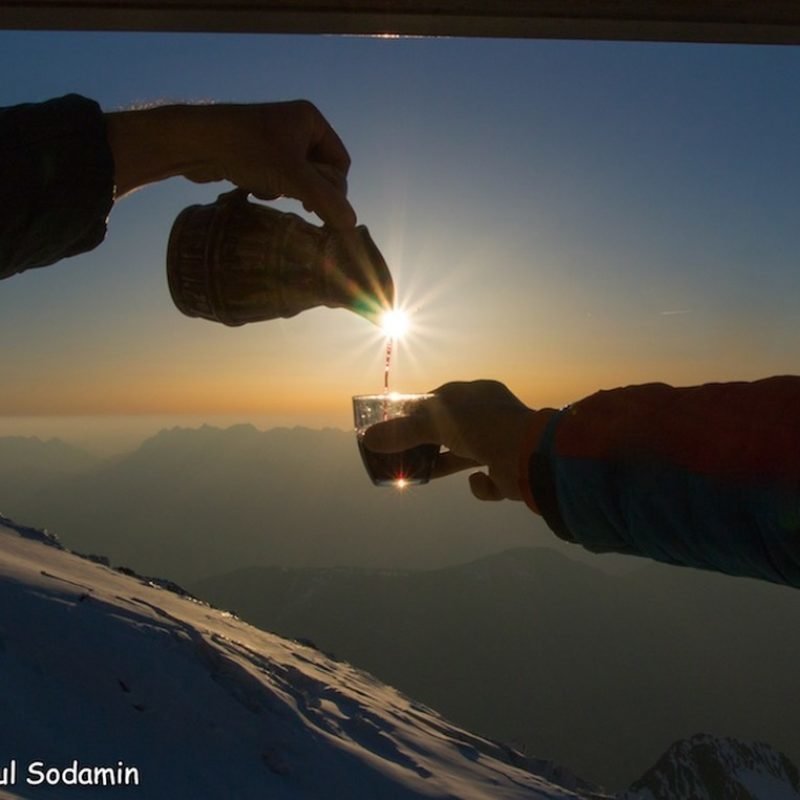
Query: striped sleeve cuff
x=539, y=490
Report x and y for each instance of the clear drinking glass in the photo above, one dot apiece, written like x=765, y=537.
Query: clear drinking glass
x=401, y=469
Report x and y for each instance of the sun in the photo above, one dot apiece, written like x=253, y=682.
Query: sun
x=394, y=323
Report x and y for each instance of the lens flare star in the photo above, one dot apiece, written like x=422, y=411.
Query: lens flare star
x=394, y=323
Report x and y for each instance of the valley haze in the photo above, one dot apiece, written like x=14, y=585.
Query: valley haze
x=619, y=657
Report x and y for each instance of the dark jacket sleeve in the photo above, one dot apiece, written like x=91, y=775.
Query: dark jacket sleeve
x=705, y=476
x=56, y=181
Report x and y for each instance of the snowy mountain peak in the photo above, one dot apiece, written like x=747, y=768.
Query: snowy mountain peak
x=709, y=768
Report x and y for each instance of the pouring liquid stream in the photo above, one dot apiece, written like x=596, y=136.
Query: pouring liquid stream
x=408, y=466
x=386, y=365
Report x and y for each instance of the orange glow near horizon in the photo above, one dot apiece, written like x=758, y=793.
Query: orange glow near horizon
x=537, y=382
x=247, y=379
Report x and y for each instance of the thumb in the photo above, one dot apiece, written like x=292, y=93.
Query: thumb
x=325, y=197
x=483, y=487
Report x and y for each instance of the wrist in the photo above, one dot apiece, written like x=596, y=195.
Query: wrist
x=154, y=144
x=531, y=441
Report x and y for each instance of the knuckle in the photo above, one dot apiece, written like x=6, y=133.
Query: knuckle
x=305, y=107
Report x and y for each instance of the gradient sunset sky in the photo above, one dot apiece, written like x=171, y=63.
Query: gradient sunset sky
x=561, y=216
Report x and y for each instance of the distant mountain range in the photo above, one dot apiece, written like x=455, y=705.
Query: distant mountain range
x=192, y=502
x=27, y=464
x=561, y=660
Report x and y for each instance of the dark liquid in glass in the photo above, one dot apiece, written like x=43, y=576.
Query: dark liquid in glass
x=398, y=469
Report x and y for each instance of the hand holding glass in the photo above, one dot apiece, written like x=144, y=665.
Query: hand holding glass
x=407, y=467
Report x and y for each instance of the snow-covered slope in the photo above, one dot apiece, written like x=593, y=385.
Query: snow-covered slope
x=112, y=685
x=112, y=671
x=714, y=768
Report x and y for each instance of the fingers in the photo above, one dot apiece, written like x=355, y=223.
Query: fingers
x=324, y=198
x=480, y=423
x=283, y=149
x=436, y=421
x=406, y=432
x=334, y=176
x=449, y=463
x=323, y=178
x=399, y=434
x=484, y=488
x=328, y=148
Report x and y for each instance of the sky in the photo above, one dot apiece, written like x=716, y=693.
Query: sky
x=560, y=216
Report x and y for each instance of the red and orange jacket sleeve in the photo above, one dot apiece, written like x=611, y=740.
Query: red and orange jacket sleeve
x=705, y=476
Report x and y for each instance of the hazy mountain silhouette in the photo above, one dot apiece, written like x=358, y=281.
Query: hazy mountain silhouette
x=192, y=502
x=49, y=457
x=601, y=672
x=27, y=464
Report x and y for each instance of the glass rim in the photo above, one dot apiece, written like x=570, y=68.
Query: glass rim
x=394, y=396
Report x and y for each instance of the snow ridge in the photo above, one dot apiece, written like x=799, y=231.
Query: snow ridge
x=34, y=534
